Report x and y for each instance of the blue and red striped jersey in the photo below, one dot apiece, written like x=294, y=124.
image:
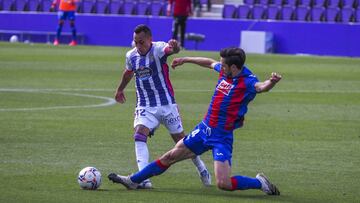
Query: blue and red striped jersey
x=228, y=105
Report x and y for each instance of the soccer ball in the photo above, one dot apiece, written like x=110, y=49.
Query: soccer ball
x=89, y=178
x=14, y=39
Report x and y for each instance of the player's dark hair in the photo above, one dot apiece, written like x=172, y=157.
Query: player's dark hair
x=143, y=28
x=233, y=56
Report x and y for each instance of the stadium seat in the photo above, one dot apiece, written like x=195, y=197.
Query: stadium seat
x=45, y=6
x=86, y=6
x=257, y=12
x=250, y=2
x=317, y=14
x=141, y=8
x=273, y=12
x=349, y=3
x=32, y=5
x=308, y=3
x=287, y=12
x=229, y=11
x=7, y=5
x=114, y=7
x=291, y=2
x=302, y=13
x=156, y=9
x=264, y=2
x=20, y=5
x=319, y=3
x=101, y=7
x=277, y=2
x=347, y=15
x=334, y=3
x=332, y=14
x=127, y=8
x=243, y=11
x=357, y=15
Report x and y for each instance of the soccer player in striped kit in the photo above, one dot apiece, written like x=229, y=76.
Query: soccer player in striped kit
x=155, y=96
x=236, y=87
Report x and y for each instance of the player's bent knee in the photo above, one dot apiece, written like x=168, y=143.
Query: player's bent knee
x=223, y=184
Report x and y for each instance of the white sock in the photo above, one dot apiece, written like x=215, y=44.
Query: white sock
x=199, y=164
x=142, y=154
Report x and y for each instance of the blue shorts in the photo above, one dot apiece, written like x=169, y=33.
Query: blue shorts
x=204, y=138
x=66, y=15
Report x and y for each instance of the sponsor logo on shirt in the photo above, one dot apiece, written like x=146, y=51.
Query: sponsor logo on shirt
x=224, y=87
x=143, y=73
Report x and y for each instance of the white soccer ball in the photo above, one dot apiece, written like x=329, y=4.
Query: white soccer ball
x=89, y=178
x=14, y=39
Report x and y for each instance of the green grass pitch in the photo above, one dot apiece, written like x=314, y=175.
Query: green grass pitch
x=54, y=121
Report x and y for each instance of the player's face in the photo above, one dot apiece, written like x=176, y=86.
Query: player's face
x=225, y=68
x=142, y=42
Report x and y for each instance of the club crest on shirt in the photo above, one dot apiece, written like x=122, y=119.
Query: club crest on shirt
x=224, y=87
x=143, y=73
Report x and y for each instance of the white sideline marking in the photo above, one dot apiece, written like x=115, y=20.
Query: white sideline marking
x=109, y=101
x=176, y=90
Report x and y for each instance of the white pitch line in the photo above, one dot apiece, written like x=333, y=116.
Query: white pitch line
x=177, y=90
x=109, y=101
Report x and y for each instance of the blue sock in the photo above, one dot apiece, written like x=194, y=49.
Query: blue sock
x=73, y=30
x=58, y=31
x=245, y=183
x=153, y=169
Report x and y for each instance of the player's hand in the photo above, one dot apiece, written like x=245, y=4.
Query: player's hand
x=177, y=62
x=275, y=77
x=120, y=97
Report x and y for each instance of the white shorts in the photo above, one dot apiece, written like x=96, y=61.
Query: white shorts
x=151, y=117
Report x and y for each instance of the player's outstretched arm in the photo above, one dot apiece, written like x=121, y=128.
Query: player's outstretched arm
x=173, y=47
x=201, y=61
x=268, y=84
x=119, y=94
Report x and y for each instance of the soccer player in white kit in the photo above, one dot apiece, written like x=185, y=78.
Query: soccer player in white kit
x=155, y=96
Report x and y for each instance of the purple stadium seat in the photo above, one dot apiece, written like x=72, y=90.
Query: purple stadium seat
x=114, y=7
x=273, y=12
x=87, y=6
x=20, y=5
x=7, y=5
x=127, y=8
x=155, y=9
x=302, y=13
x=291, y=2
x=101, y=7
x=287, y=12
x=306, y=3
x=278, y=2
x=32, y=5
x=250, y=2
x=141, y=8
x=332, y=14
x=349, y=3
x=264, y=2
x=243, y=11
x=317, y=14
x=257, y=12
x=229, y=11
x=45, y=5
x=347, y=14
x=334, y=3
x=319, y=3
x=357, y=15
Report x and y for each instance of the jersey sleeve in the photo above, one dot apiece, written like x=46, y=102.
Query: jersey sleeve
x=217, y=67
x=159, y=48
x=128, y=65
x=251, y=81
